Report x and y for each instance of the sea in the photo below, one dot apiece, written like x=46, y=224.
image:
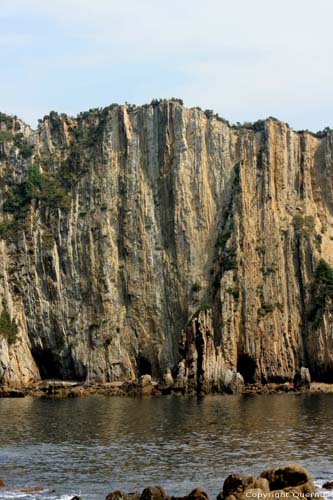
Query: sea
x=91, y=446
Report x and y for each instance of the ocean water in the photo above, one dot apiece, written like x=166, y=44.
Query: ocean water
x=91, y=446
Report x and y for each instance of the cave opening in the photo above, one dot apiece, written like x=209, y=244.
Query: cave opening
x=246, y=366
x=47, y=364
x=144, y=366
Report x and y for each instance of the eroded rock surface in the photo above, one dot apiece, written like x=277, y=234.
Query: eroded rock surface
x=159, y=240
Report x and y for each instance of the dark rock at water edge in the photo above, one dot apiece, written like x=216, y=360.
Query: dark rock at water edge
x=279, y=482
x=302, y=379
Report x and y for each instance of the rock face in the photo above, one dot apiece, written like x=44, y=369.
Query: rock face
x=159, y=240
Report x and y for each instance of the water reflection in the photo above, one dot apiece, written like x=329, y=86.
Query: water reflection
x=97, y=444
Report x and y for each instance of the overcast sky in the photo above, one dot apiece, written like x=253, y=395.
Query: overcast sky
x=245, y=59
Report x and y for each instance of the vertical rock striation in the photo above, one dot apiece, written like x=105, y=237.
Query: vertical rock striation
x=135, y=240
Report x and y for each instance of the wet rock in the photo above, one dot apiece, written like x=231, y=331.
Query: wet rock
x=166, y=384
x=145, y=380
x=328, y=485
x=76, y=497
x=115, y=495
x=279, y=482
x=145, y=385
x=288, y=476
x=235, y=485
x=302, y=379
x=236, y=385
x=153, y=493
x=120, y=495
x=11, y=393
x=197, y=494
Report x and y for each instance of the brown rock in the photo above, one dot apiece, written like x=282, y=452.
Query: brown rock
x=2, y=484
x=235, y=485
x=261, y=483
x=328, y=485
x=120, y=495
x=197, y=494
x=153, y=493
x=286, y=476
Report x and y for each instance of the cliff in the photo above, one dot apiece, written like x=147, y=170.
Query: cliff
x=135, y=240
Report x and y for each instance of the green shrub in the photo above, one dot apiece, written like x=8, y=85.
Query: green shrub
x=265, y=309
x=223, y=238
x=234, y=292
x=6, y=230
x=36, y=185
x=48, y=240
x=318, y=240
x=321, y=289
x=304, y=225
x=8, y=328
x=5, y=136
x=202, y=308
x=26, y=151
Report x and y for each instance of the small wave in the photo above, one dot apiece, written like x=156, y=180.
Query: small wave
x=40, y=495
x=326, y=494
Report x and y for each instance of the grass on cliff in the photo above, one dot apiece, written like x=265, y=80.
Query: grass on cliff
x=35, y=186
x=8, y=328
x=195, y=315
x=321, y=289
x=304, y=225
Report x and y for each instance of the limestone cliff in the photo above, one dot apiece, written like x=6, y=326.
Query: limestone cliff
x=125, y=229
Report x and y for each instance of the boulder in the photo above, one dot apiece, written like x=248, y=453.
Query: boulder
x=153, y=493
x=145, y=380
x=302, y=379
x=120, y=495
x=232, y=382
x=166, y=384
x=145, y=385
x=279, y=482
x=197, y=494
x=235, y=485
x=237, y=384
x=286, y=477
x=115, y=495
x=262, y=483
x=328, y=485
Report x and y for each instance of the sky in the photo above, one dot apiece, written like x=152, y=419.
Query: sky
x=244, y=59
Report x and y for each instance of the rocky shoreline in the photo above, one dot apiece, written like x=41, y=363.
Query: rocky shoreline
x=289, y=481
x=145, y=386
